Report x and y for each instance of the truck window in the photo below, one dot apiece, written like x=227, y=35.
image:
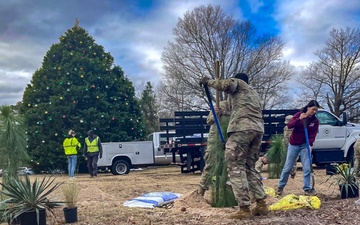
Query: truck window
x=163, y=139
x=326, y=118
x=150, y=138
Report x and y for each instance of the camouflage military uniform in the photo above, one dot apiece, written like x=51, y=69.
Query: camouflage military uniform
x=260, y=163
x=357, y=156
x=245, y=131
x=225, y=111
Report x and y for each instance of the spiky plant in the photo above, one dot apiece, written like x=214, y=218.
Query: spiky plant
x=23, y=196
x=13, y=142
x=346, y=179
x=221, y=192
x=275, y=156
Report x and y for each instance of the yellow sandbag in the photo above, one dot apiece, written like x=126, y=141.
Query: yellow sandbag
x=270, y=191
x=292, y=201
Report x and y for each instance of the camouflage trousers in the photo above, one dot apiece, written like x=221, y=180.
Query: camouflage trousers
x=241, y=154
x=357, y=156
x=204, y=180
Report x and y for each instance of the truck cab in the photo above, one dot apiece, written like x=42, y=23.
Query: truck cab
x=164, y=151
x=335, y=139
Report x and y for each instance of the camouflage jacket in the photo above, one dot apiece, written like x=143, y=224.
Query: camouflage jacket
x=287, y=134
x=244, y=102
x=225, y=111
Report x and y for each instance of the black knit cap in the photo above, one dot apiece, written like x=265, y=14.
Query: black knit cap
x=90, y=132
x=242, y=76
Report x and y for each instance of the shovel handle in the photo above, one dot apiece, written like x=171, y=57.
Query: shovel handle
x=214, y=114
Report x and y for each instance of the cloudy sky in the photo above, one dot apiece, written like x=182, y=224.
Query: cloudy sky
x=136, y=31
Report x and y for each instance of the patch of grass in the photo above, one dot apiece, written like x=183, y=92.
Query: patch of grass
x=70, y=192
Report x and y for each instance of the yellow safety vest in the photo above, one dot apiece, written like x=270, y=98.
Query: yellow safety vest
x=92, y=146
x=71, y=145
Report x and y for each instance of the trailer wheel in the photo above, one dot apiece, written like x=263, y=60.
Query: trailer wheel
x=120, y=167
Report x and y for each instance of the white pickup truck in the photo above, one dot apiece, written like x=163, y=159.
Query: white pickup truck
x=119, y=157
x=335, y=139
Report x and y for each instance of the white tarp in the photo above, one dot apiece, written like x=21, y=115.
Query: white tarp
x=152, y=199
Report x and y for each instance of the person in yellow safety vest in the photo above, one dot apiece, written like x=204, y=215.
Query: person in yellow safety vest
x=71, y=147
x=92, y=152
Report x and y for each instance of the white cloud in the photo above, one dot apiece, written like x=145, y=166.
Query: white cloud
x=255, y=5
x=305, y=25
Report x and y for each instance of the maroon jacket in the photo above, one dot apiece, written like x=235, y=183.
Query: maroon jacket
x=298, y=135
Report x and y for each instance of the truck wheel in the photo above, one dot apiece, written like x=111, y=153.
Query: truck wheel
x=120, y=167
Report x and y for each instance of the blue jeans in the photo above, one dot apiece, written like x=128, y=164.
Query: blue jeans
x=292, y=153
x=72, y=165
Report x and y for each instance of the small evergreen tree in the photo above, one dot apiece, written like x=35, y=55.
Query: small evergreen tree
x=78, y=88
x=221, y=192
x=150, y=109
x=13, y=143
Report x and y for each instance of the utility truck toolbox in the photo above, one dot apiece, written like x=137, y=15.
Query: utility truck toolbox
x=119, y=157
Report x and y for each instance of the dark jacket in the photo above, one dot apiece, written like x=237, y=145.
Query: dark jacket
x=91, y=138
x=298, y=135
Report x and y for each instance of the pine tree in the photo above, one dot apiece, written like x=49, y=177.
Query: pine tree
x=78, y=87
x=13, y=142
x=150, y=109
x=221, y=192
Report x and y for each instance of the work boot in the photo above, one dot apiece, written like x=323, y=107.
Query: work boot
x=310, y=192
x=279, y=191
x=261, y=208
x=242, y=213
x=201, y=191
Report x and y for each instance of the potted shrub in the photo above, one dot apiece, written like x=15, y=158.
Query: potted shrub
x=25, y=202
x=346, y=179
x=70, y=192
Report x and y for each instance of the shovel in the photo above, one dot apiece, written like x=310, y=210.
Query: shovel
x=214, y=114
x=309, y=154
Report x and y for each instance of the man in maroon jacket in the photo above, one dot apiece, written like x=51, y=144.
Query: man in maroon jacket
x=297, y=145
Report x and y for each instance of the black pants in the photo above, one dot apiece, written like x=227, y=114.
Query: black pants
x=92, y=159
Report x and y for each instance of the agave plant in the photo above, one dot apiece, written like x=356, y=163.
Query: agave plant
x=22, y=196
x=346, y=178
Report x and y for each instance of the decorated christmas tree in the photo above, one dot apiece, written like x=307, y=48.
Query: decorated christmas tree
x=78, y=87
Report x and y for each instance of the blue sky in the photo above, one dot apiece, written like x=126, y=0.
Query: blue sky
x=136, y=31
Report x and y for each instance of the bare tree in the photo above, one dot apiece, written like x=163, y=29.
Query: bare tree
x=334, y=77
x=206, y=35
x=271, y=84
x=174, y=96
x=139, y=86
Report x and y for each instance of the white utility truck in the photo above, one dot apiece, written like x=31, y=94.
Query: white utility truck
x=119, y=157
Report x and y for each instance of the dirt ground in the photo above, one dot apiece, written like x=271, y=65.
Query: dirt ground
x=101, y=201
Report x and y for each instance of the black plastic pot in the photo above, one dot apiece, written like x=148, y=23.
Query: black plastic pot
x=70, y=215
x=29, y=218
x=349, y=191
